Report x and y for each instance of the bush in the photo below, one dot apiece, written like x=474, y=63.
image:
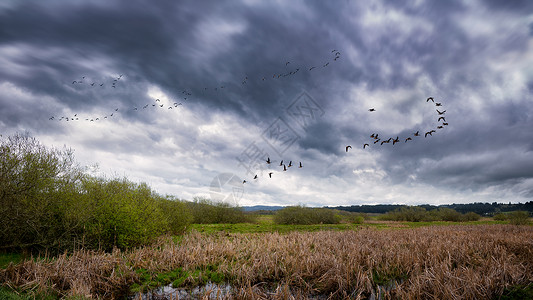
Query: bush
x=37, y=188
x=448, y=214
x=500, y=217
x=46, y=201
x=205, y=211
x=519, y=217
x=471, y=216
x=407, y=213
x=300, y=215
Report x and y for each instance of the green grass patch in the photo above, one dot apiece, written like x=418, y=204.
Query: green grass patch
x=518, y=292
x=177, y=278
x=7, y=293
x=6, y=258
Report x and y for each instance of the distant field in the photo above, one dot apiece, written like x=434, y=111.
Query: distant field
x=265, y=223
x=476, y=260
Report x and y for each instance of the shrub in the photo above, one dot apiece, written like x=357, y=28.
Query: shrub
x=519, y=217
x=37, y=186
x=176, y=213
x=407, y=213
x=500, y=217
x=300, y=215
x=205, y=211
x=448, y=214
x=46, y=201
x=471, y=216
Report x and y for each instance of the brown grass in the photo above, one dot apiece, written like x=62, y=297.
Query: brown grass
x=439, y=262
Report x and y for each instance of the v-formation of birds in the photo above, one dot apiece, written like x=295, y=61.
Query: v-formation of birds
x=376, y=139
x=186, y=93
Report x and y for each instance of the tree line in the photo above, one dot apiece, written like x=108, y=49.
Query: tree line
x=483, y=209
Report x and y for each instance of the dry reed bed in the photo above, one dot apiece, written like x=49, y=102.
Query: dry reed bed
x=439, y=262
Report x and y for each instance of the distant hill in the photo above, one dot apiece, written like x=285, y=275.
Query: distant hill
x=262, y=207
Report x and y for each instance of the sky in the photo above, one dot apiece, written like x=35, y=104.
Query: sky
x=193, y=97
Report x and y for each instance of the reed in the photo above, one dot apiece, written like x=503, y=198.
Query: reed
x=435, y=262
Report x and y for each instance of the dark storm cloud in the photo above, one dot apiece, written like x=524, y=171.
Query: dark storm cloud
x=232, y=59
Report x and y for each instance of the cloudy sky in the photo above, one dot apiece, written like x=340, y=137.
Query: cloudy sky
x=192, y=97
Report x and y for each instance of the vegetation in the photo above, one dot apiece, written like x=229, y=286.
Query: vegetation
x=48, y=203
x=300, y=215
x=418, y=214
x=205, y=211
x=483, y=209
x=446, y=262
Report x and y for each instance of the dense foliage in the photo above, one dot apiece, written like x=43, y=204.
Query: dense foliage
x=48, y=202
x=301, y=215
x=205, y=211
x=417, y=214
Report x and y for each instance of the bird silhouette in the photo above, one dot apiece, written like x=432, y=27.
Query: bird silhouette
x=396, y=140
x=270, y=174
x=244, y=181
x=416, y=133
x=372, y=109
x=440, y=112
x=326, y=64
x=300, y=165
x=255, y=177
x=348, y=147
x=430, y=98
x=268, y=160
x=438, y=104
x=290, y=164
x=445, y=124
x=284, y=168
x=441, y=118
x=408, y=139
x=364, y=146
x=281, y=163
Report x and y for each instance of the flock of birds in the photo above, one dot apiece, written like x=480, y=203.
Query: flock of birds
x=376, y=139
x=186, y=94
x=281, y=164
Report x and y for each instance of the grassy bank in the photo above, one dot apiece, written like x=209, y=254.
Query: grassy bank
x=444, y=262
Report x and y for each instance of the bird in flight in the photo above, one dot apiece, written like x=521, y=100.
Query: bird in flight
x=244, y=181
x=290, y=164
x=281, y=163
x=364, y=146
x=300, y=165
x=438, y=104
x=430, y=98
x=255, y=177
x=270, y=174
x=326, y=64
x=348, y=147
x=416, y=133
x=268, y=160
x=284, y=168
x=440, y=112
x=396, y=140
x=372, y=109
x=408, y=139
x=311, y=68
x=441, y=118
